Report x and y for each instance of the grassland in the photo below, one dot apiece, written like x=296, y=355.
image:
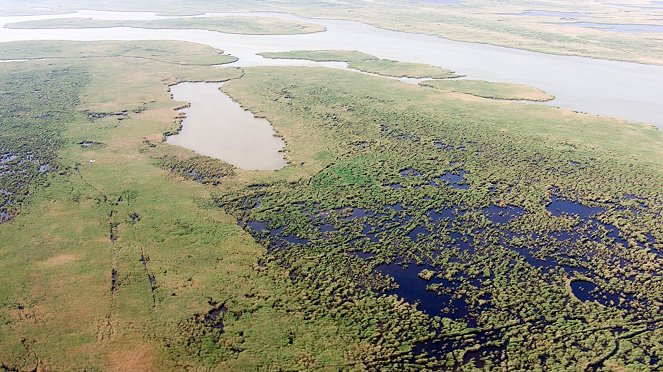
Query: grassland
x=412, y=229
x=160, y=51
x=477, y=21
x=230, y=25
x=485, y=89
x=367, y=63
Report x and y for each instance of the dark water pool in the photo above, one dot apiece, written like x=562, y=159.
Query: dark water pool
x=559, y=206
x=587, y=291
x=418, y=232
x=455, y=179
x=413, y=289
x=503, y=215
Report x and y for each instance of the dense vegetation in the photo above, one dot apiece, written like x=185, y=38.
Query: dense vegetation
x=201, y=169
x=368, y=63
x=233, y=25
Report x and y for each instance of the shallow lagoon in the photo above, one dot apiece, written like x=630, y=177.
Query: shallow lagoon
x=218, y=127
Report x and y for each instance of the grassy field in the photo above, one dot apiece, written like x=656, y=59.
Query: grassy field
x=413, y=228
x=485, y=89
x=480, y=21
x=230, y=25
x=367, y=63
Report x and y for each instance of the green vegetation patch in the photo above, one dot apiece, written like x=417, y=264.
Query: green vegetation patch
x=485, y=89
x=230, y=25
x=198, y=168
x=158, y=51
x=368, y=63
x=168, y=281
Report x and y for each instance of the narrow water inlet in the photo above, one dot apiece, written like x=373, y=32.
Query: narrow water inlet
x=218, y=127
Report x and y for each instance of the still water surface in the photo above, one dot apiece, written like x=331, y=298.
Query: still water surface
x=219, y=127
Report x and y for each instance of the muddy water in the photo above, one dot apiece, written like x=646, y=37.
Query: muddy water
x=219, y=127
x=629, y=91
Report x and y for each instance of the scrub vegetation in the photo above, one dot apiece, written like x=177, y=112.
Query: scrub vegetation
x=485, y=89
x=201, y=169
x=412, y=228
x=31, y=118
x=367, y=63
x=231, y=25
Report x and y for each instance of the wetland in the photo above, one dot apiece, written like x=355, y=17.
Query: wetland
x=453, y=239
x=226, y=211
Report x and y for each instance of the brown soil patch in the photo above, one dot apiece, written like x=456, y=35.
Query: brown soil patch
x=138, y=358
x=59, y=260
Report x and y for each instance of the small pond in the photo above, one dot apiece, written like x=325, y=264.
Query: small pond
x=218, y=127
x=587, y=291
x=559, y=206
